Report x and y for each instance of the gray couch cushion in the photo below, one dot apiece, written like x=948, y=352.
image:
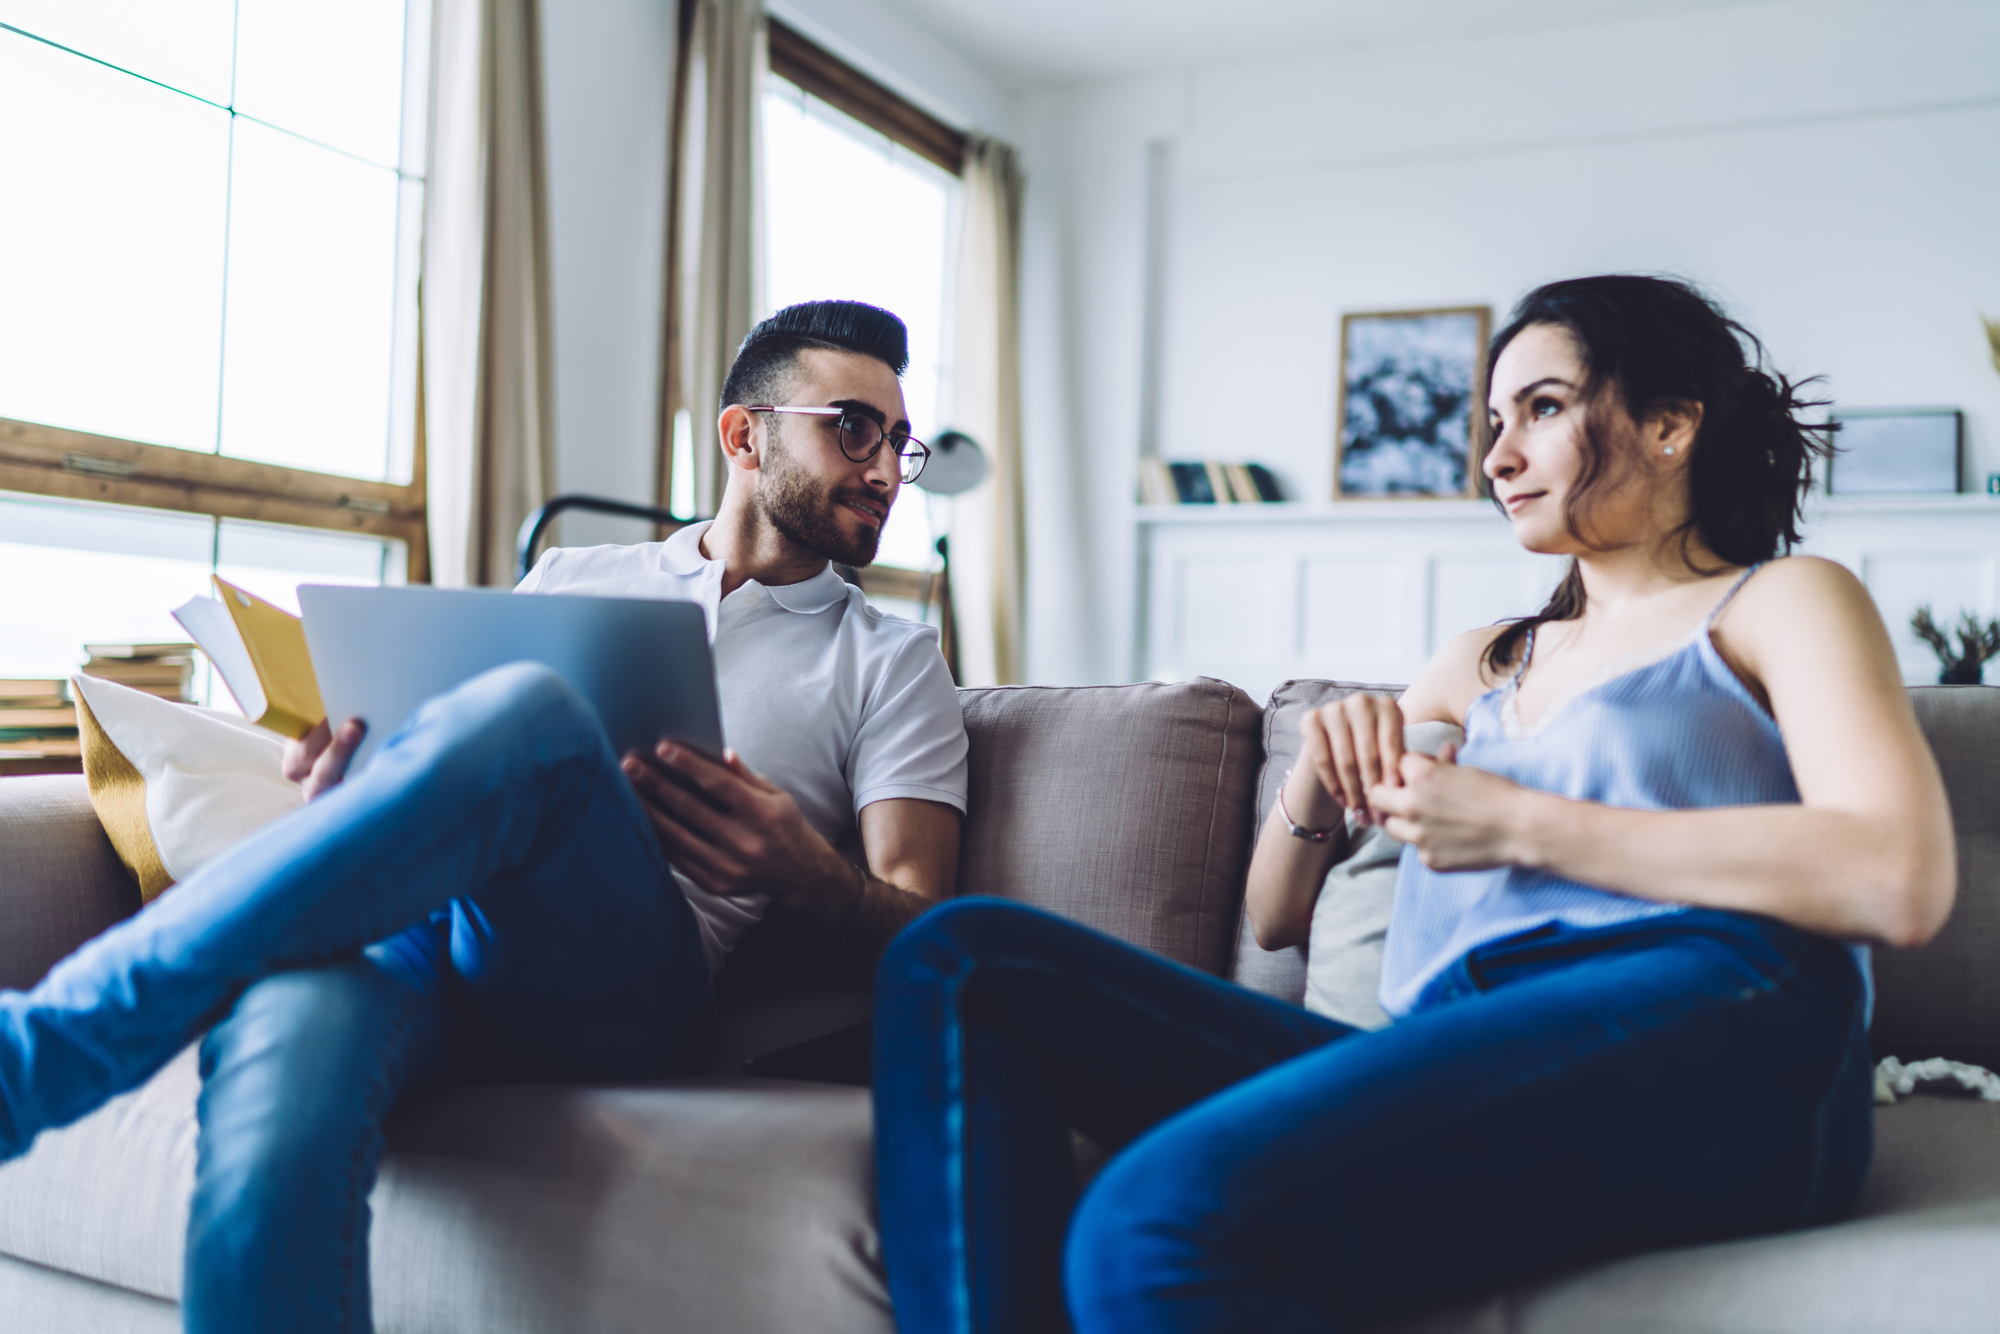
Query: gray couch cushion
x=715, y=1204
x=1944, y=999
x=1282, y=973
x=1921, y=1253
x=1124, y=807
x=60, y=882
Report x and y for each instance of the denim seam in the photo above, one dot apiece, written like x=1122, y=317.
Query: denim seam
x=955, y=1131
x=375, y=1113
x=1814, y=1201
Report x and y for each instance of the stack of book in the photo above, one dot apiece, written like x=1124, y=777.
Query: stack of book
x=1206, y=483
x=166, y=670
x=37, y=728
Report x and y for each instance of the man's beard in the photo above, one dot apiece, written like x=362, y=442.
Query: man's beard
x=805, y=512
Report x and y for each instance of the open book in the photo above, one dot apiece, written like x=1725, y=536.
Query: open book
x=260, y=652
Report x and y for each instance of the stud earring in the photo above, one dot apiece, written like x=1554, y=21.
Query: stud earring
x=1668, y=450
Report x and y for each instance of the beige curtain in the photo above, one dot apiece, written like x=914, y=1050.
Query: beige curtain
x=716, y=249
x=489, y=417
x=988, y=548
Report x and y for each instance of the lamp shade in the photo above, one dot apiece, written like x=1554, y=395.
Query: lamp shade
x=957, y=465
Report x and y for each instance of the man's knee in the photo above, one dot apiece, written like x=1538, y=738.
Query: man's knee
x=500, y=720
x=520, y=695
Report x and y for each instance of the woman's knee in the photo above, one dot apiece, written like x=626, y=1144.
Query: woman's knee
x=952, y=939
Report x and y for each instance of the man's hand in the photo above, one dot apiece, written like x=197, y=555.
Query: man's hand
x=318, y=761
x=732, y=831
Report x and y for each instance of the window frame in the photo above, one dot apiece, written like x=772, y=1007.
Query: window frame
x=796, y=58
x=799, y=60
x=38, y=459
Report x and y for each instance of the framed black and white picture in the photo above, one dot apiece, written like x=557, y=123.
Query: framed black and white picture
x=1411, y=382
x=1890, y=451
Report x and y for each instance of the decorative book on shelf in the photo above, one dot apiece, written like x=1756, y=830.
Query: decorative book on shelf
x=166, y=670
x=1207, y=482
x=37, y=727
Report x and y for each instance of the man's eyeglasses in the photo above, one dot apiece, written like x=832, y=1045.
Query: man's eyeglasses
x=862, y=436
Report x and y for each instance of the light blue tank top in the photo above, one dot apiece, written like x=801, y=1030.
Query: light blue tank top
x=1677, y=733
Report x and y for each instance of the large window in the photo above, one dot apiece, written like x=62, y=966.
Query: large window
x=890, y=252
x=208, y=346
x=860, y=193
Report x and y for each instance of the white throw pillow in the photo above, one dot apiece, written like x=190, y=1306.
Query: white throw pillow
x=174, y=784
x=1351, y=916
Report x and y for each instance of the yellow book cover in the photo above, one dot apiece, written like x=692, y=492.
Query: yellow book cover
x=275, y=641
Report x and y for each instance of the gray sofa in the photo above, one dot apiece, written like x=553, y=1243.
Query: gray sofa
x=727, y=1203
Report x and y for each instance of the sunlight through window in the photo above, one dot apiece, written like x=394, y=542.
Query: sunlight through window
x=851, y=215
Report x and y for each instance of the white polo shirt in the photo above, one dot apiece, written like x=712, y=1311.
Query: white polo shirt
x=838, y=703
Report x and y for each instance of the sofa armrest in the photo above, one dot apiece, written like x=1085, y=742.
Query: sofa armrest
x=60, y=882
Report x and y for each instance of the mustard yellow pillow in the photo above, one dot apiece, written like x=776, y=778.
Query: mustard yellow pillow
x=173, y=784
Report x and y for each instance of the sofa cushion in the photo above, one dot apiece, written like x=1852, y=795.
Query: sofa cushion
x=1126, y=808
x=730, y=1204
x=1919, y=1254
x=60, y=881
x=1944, y=999
x=1282, y=973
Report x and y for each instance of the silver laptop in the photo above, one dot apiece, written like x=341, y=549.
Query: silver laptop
x=644, y=664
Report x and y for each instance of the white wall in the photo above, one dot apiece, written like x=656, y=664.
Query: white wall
x=608, y=74
x=1830, y=170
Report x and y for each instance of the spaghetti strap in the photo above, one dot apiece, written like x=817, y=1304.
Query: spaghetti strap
x=1730, y=596
x=1527, y=652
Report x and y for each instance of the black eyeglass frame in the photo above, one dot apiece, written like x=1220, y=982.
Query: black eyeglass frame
x=908, y=473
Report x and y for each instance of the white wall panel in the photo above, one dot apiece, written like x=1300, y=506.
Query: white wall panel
x=1357, y=610
x=1345, y=592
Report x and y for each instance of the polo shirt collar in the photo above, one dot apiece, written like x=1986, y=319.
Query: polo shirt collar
x=681, y=554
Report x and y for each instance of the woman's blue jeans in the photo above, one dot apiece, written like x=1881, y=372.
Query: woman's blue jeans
x=487, y=901
x=1559, y=1098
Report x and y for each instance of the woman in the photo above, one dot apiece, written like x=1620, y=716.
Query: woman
x=1625, y=1017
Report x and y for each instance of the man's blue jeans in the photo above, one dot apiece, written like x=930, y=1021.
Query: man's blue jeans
x=1559, y=1098
x=487, y=901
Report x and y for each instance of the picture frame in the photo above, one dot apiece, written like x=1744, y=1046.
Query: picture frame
x=1412, y=388
x=1896, y=451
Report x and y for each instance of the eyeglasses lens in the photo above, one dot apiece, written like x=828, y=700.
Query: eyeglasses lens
x=860, y=438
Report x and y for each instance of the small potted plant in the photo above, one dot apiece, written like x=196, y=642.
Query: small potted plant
x=1976, y=643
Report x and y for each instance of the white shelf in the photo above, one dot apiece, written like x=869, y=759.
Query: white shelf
x=1961, y=503
x=1481, y=511
x=1323, y=511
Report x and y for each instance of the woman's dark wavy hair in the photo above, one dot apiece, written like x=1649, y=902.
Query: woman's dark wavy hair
x=1651, y=343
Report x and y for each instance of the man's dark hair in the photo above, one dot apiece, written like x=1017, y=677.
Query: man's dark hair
x=764, y=361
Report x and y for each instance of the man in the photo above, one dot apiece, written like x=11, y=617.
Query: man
x=489, y=900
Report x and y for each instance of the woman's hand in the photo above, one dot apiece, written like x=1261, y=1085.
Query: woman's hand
x=1351, y=747
x=318, y=760
x=1457, y=819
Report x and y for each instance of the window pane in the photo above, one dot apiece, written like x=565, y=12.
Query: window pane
x=848, y=215
x=114, y=326
x=184, y=44
x=272, y=561
x=312, y=262
x=333, y=73
x=72, y=573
